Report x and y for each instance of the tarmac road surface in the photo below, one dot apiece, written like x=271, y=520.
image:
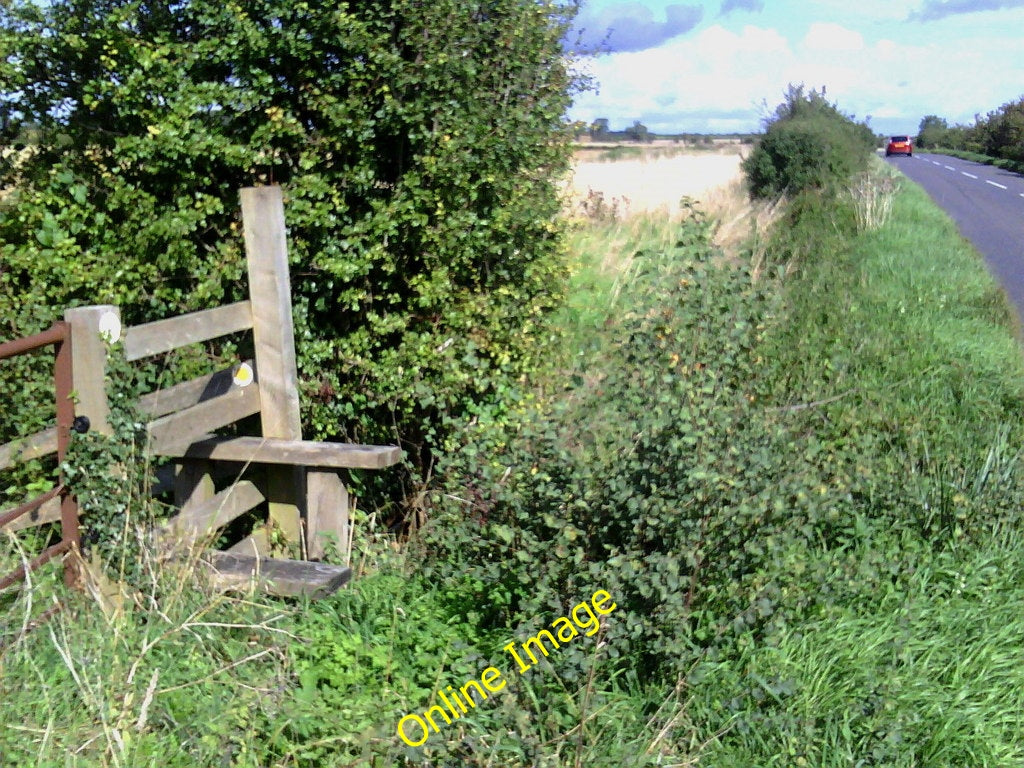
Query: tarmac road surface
x=987, y=204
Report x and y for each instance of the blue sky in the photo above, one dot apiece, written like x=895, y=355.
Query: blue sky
x=708, y=66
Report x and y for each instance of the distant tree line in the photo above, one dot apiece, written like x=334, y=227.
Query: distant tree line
x=998, y=134
x=600, y=130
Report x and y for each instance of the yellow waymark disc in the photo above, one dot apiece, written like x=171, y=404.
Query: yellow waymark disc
x=243, y=375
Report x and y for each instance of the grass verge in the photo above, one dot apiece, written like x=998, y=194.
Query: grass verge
x=898, y=362
x=977, y=157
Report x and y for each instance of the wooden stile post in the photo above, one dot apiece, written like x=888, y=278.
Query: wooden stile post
x=327, y=513
x=92, y=328
x=274, y=339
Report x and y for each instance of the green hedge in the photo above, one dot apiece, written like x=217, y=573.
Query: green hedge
x=418, y=145
x=809, y=144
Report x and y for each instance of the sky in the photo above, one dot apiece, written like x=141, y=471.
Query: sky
x=710, y=67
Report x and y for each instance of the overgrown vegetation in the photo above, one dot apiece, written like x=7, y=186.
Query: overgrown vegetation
x=803, y=494
x=794, y=483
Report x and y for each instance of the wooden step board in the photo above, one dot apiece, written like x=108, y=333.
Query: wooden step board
x=267, y=450
x=285, y=578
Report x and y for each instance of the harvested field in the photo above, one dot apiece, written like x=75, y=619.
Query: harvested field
x=623, y=188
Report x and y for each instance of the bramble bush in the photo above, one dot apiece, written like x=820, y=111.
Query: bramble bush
x=656, y=476
x=418, y=144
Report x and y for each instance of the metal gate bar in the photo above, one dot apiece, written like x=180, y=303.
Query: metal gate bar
x=58, y=336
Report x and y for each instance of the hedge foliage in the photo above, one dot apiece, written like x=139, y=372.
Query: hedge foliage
x=999, y=134
x=808, y=144
x=418, y=144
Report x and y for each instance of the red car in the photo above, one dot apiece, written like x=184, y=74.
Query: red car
x=900, y=145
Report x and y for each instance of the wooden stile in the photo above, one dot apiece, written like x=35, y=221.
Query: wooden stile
x=298, y=480
x=274, y=337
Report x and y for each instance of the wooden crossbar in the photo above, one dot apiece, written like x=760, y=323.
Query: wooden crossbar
x=189, y=393
x=202, y=519
x=164, y=335
x=173, y=431
x=28, y=447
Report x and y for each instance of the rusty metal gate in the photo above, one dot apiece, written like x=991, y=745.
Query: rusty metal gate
x=59, y=337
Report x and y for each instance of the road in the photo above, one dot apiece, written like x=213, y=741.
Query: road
x=987, y=204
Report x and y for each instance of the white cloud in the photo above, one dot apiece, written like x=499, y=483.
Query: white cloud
x=719, y=77
x=825, y=36
x=716, y=71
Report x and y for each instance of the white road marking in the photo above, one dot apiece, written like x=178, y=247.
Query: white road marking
x=935, y=163
x=994, y=184
x=968, y=175
x=950, y=168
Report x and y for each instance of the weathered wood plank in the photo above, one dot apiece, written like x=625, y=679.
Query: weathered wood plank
x=272, y=326
x=89, y=327
x=200, y=519
x=48, y=513
x=266, y=251
x=287, y=578
x=193, y=485
x=164, y=335
x=29, y=447
x=171, y=432
x=327, y=514
x=304, y=453
x=188, y=393
x=257, y=544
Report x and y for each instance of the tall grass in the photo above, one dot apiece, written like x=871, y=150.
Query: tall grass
x=896, y=358
x=925, y=672
x=179, y=674
x=603, y=242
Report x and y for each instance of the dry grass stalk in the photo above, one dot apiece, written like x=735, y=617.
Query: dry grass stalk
x=872, y=196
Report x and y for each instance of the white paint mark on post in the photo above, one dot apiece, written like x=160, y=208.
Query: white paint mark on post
x=110, y=327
